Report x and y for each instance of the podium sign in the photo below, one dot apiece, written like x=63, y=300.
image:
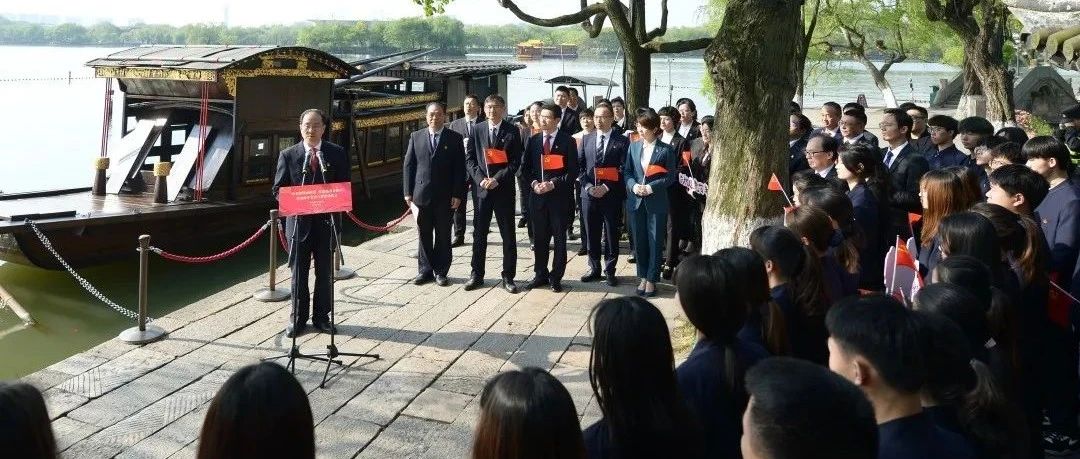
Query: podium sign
x=315, y=199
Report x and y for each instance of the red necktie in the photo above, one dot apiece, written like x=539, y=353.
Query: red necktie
x=314, y=160
x=547, y=143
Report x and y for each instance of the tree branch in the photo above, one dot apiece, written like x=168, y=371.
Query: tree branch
x=617, y=14
x=659, y=31
x=637, y=17
x=680, y=46
x=565, y=20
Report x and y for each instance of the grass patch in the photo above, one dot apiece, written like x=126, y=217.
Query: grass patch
x=683, y=338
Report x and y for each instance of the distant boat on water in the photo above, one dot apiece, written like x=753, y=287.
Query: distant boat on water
x=536, y=49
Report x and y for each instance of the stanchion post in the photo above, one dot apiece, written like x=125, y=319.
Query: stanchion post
x=101, y=166
x=272, y=292
x=342, y=272
x=143, y=333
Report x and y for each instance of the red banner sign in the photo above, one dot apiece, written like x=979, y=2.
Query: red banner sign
x=315, y=199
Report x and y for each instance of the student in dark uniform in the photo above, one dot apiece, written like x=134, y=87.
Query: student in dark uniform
x=766, y=323
x=847, y=237
x=920, y=134
x=550, y=166
x=633, y=378
x=527, y=413
x=711, y=378
x=860, y=167
x=942, y=152
x=814, y=227
x=789, y=398
x=601, y=160
x=877, y=343
x=941, y=194
x=471, y=108
x=797, y=288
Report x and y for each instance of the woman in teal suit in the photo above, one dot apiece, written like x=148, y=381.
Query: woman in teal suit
x=648, y=171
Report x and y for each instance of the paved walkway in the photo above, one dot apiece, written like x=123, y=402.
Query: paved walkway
x=438, y=347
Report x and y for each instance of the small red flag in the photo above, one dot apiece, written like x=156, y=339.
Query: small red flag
x=912, y=218
x=655, y=169
x=495, y=157
x=552, y=162
x=789, y=209
x=774, y=184
x=686, y=157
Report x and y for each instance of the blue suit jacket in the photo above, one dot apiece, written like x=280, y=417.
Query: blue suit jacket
x=614, y=155
x=664, y=156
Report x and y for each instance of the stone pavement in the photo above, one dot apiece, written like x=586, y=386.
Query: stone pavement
x=438, y=345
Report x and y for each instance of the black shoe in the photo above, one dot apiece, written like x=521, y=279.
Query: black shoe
x=612, y=280
x=590, y=276
x=522, y=222
x=570, y=236
x=583, y=251
x=325, y=327
x=1059, y=444
x=631, y=259
x=556, y=286
x=441, y=280
x=667, y=272
x=474, y=283
x=509, y=286
x=294, y=330
x=459, y=241
x=536, y=282
x=422, y=279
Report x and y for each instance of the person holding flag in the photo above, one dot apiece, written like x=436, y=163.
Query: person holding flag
x=550, y=167
x=648, y=171
x=601, y=157
x=492, y=157
x=678, y=222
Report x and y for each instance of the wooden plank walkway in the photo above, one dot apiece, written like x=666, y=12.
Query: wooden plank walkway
x=438, y=347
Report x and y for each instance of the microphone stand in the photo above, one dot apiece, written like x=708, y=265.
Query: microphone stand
x=331, y=354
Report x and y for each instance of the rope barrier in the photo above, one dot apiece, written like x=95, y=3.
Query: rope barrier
x=215, y=257
x=81, y=280
x=389, y=225
x=281, y=237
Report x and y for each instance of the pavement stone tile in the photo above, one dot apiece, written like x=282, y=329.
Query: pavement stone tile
x=438, y=405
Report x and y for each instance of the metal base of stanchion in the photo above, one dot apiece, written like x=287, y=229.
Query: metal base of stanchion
x=268, y=295
x=344, y=272
x=135, y=336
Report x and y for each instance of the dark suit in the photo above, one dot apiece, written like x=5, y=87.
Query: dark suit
x=835, y=133
x=524, y=133
x=648, y=214
x=699, y=172
x=548, y=212
x=498, y=201
x=678, y=222
x=691, y=135
x=905, y=171
x=797, y=156
x=311, y=236
x=432, y=178
x=940, y=159
x=570, y=122
x=461, y=126
x=602, y=215
x=923, y=144
x=868, y=214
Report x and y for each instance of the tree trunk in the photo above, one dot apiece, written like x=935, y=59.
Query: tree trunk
x=754, y=84
x=882, y=84
x=995, y=83
x=637, y=80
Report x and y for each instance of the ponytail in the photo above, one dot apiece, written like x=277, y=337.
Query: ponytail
x=775, y=331
x=990, y=419
x=1031, y=259
x=797, y=263
x=1022, y=238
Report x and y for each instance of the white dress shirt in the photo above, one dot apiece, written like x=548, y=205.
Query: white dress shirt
x=646, y=157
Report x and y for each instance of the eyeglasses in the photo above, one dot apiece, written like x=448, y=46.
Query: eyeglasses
x=809, y=153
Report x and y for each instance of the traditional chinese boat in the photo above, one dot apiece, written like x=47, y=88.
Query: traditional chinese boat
x=246, y=100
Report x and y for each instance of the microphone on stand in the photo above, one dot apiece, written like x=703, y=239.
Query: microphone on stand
x=307, y=162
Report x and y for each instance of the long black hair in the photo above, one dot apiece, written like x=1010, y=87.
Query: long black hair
x=964, y=384
x=794, y=261
x=865, y=162
x=1021, y=239
x=527, y=414
x=632, y=373
x=838, y=206
x=752, y=280
x=260, y=411
x=25, y=430
x=969, y=233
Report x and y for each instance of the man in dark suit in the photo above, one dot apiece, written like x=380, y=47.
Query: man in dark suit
x=821, y=154
x=920, y=134
x=471, y=108
x=434, y=185
x=798, y=135
x=906, y=167
x=853, y=128
x=311, y=236
x=602, y=194
x=830, y=121
x=568, y=121
x=550, y=166
x=492, y=157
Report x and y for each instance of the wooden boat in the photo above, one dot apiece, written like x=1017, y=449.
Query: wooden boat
x=254, y=95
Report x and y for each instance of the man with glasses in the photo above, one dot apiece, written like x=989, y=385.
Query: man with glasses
x=906, y=167
x=943, y=152
x=603, y=194
x=919, y=133
x=853, y=128
x=821, y=154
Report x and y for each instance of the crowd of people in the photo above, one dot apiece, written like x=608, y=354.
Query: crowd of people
x=801, y=350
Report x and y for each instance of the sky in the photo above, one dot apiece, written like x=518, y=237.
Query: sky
x=259, y=12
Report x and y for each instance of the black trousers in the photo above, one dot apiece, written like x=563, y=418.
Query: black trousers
x=318, y=246
x=502, y=207
x=678, y=223
x=601, y=231
x=1060, y=360
x=548, y=223
x=459, y=215
x=524, y=190
x=433, y=224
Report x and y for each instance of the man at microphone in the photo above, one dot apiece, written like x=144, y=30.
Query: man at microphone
x=313, y=160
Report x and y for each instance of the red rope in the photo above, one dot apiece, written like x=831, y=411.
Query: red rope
x=211, y=258
x=389, y=225
x=281, y=236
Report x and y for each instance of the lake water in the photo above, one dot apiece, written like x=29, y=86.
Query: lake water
x=50, y=130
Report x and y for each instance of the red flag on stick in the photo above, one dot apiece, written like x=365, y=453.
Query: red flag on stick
x=912, y=219
x=774, y=185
